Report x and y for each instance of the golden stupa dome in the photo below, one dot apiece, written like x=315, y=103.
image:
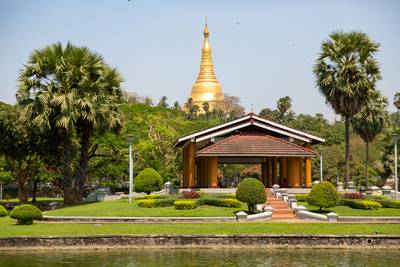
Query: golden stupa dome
x=207, y=87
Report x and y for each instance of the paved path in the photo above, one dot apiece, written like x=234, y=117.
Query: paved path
x=281, y=209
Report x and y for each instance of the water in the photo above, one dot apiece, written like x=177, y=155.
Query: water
x=202, y=257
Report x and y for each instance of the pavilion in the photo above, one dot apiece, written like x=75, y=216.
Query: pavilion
x=284, y=153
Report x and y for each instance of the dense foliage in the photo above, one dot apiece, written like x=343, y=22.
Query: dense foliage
x=323, y=195
x=252, y=192
x=3, y=211
x=26, y=214
x=148, y=180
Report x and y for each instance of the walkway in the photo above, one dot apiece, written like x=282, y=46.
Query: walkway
x=281, y=209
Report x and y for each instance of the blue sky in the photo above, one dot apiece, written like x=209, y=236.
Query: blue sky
x=262, y=49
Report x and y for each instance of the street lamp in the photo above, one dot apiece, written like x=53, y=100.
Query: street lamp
x=395, y=138
x=129, y=137
x=320, y=163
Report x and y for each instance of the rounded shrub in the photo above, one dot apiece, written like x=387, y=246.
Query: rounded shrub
x=3, y=211
x=148, y=180
x=185, y=204
x=252, y=192
x=323, y=195
x=25, y=214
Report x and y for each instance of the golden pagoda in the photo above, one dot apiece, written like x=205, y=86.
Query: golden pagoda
x=207, y=87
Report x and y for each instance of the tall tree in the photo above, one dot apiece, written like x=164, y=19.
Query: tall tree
x=396, y=103
x=71, y=91
x=206, y=108
x=163, y=102
x=284, y=105
x=346, y=71
x=369, y=122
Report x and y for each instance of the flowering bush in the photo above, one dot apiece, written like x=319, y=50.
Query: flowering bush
x=353, y=195
x=190, y=194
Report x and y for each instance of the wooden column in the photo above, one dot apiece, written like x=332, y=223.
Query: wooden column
x=264, y=171
x=294, y=172
x=308, y=172
x=189, y=164
x=212, y=171
x=269, y=172
x=274, y=171
x=282, y=170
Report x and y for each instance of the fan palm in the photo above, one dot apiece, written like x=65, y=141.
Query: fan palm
x=369, y=122
x=72, y=91
x=396, y=103
x=346, y=71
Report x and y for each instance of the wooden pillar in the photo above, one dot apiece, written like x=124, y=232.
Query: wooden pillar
x=282, y=170
x=294, y=172
x=264, y=171
x=269, y=172
x=189, y=163
x=274, y=171
x=212, y=172
x=308, y=172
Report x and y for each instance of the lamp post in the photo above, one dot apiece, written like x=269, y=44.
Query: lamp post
x=130, y=140
x=395, y=138
x=320, y=164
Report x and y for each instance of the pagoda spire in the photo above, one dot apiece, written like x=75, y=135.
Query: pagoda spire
x=206, y=66
x=206, y=88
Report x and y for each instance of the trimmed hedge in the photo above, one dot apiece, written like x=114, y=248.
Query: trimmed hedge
x=302, y=197
x=185, y=204
x=221, y=202
x=25, y=214
x=394, y=204
x=360, y=204
x=251, y=191
x=154, y=196
x=3, y=211
x=323, y=195
x=153, y=203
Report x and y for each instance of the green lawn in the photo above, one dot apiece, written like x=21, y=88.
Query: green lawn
x=9, y=228
x=123, y=209
x=347, y=211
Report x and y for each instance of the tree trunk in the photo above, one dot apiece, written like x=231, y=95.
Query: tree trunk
x=347, y=150
x=366, y=164
x=22, y=190
x=68, y=181
x=81, y=174
x=34, y=190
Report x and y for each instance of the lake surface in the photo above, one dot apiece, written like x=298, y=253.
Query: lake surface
x=203, y=257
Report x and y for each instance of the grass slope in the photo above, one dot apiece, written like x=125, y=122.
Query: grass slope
x=9, y=228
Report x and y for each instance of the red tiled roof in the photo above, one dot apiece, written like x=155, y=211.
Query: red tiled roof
x=255, y=144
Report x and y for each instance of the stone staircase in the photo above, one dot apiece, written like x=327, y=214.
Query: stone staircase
x=281, y=209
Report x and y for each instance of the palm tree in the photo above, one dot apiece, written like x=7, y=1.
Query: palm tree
x=346, y=71
x=206, y=108
x=396, y=103
x=369, y=122
x=163, y=102
x=73, y=92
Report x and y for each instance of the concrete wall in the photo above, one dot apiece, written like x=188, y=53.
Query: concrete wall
x=180, y=241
